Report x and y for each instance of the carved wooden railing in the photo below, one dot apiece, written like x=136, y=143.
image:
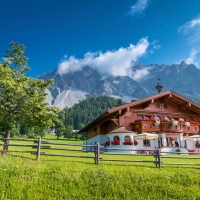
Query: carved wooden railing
x=145, y=126
x=179, y=128
x=149, y=126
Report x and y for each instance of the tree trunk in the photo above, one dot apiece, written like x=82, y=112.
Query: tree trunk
x=6, y=142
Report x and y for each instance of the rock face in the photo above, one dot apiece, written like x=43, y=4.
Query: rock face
x=71, y=87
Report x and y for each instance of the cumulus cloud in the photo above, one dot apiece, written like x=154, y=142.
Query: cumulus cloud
x=188, y=26
x=114, y=63
x=139, y=7
x=192, y=58
x=138, y=74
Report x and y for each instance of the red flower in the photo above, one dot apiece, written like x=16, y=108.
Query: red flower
x=115, y=142
x=135, y=142
x=107, y=143
x=197, y=145
x=127, y=142
x=172, y=139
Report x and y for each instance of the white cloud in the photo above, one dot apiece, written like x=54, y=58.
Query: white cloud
x=188, y=26
x=140, y=73
x=114, y=63
x=192, y=58
x=139, y=7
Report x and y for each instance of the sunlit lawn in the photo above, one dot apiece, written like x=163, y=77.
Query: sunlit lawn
x=22, y=177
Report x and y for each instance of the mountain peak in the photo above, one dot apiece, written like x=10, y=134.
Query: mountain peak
x=77, y=85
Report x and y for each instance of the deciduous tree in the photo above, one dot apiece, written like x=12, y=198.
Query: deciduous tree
x=22, y=99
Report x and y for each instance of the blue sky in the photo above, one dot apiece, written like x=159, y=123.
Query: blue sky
x=109, y=35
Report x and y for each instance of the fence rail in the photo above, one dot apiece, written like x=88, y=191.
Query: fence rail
x=157, y=156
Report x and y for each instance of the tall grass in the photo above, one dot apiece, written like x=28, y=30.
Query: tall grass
x=27, y=179
x=70, y=178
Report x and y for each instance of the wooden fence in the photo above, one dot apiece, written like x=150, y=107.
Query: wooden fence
x=40, y=145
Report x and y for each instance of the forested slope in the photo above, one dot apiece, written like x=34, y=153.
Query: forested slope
x=87, y=110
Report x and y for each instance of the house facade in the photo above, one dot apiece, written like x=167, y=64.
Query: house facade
x=171, y=116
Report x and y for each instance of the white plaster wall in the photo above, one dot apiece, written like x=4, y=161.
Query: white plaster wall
x=101, y=139
x=153, y=143
x=121, y=136
x=191, y=145
x=92, y=141
x=173, y=149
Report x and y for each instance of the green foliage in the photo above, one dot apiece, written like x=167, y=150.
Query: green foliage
x=16, y=57
x=59, y=127
x=87, y=110
x=68, y=132
x=22, y=98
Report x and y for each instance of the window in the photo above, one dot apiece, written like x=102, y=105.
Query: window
x=147, y=116
x=127, y=138
x=140, y=116
x=166, y=118
x=181, y=119
x=157, y=118
x=116, y=137
x=146, y=143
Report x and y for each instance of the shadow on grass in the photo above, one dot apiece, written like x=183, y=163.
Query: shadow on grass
x=20, y=156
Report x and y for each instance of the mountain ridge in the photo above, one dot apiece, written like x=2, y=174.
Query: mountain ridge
x=71, y=87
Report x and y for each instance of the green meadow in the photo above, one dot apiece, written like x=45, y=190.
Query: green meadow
x=22, y=177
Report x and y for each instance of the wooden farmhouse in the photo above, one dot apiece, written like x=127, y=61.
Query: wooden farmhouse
x=172, y=117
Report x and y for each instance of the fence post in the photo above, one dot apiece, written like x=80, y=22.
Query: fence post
x=159, y=161
x=38, y=149
x=5, y=147
x=97, y=154
x=156, y=157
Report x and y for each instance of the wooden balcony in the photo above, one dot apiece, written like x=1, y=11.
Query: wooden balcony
x=149, y=126
x=179, y=128
x=145, y=126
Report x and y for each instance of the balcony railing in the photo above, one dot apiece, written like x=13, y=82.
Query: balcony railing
x=149, y=126
x=145, y=126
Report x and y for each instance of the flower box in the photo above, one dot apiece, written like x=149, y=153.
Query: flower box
x=116, y=142
x=127, y=142
x=135, y=142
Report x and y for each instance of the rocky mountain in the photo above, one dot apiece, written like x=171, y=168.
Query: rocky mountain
x=71, y=87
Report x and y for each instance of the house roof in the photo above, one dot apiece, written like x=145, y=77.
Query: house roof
x=173, y=97
x=179, y=97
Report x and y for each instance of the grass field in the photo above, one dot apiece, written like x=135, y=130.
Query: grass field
x=22, y=177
